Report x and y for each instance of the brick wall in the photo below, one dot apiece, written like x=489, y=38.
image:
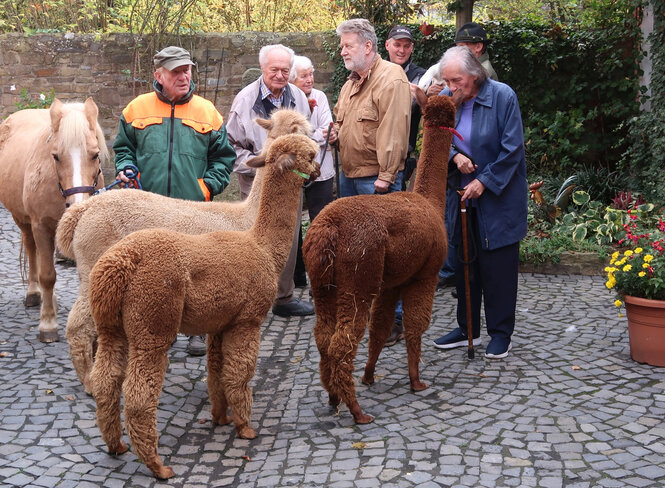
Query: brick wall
x=78, y=66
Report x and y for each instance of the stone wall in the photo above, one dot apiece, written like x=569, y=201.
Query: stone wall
x=78, y=66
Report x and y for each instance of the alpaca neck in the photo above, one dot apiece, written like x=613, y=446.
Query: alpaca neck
x=253, y=199
x=432, y=174
x=278, y=212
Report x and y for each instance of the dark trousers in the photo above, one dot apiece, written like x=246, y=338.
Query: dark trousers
x=318, y=195
x=493, y=278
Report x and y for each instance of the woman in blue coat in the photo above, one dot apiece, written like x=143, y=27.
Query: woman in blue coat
x=491, y=171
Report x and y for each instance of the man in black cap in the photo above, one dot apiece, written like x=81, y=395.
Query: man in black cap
x=474, y=37
x=176, y=139
x=399, y=45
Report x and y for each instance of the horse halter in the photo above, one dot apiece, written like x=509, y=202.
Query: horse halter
x=80, y=189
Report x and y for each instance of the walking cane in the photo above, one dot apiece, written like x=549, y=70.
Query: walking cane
x=336, y=169
x=467, y=284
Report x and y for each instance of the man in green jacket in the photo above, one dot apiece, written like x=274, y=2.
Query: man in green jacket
x=176, y=139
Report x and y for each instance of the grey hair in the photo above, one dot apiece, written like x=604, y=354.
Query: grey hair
x=467, y=61
x=300, y=62
x=265, y=50
x=362, y=27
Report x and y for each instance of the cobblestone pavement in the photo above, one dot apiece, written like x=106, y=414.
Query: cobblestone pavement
x=565, y=408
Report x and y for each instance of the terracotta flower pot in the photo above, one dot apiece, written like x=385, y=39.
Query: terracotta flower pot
x=646, y=330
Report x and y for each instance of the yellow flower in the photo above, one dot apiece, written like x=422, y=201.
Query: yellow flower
x=618, y=303
x=610, y=283
x=645, y=265
x=648, y=258
x=641, y=274
x=620, y=262
x=627, y=268
x=638, y=250
x=615, y=255
x=628, y=253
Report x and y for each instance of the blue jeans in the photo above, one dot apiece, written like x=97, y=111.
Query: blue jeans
x=349, y=187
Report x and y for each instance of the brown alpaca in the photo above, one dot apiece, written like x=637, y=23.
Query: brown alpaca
x=89, y=228
x=155, y=283
x=369, y=251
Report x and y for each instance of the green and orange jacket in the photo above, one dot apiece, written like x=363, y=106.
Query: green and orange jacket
x=181, y=150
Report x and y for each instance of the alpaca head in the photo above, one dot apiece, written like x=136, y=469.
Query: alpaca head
x=439, y=112
x=285, y=121
x=291, y=152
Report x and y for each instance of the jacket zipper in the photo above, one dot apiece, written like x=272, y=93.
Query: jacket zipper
x=168, y=181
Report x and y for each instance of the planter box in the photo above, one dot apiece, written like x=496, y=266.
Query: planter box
x=572, y=263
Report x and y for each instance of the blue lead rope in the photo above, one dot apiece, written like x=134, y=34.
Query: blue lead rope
x=131, y=172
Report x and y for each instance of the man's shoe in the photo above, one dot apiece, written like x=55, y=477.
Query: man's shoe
x=455, y=339
x=446, y=281
x=396, y=335
x=294, y=308
x=197, y=345
x=498, y=348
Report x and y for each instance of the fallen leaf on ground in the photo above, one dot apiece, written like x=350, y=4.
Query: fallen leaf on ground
x=358, y=445
x=576, y=368
x=4, y=354
x=70, y=398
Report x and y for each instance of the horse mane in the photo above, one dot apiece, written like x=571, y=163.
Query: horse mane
x=72, y=130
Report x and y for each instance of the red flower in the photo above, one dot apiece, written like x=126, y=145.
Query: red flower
x=312, y=104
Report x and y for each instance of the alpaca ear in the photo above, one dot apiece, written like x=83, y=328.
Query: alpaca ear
x=265, y=123
x=286, y=161
x=458, y=98
x=257, y=161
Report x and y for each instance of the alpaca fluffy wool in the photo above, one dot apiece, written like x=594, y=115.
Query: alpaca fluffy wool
x=155, y=283
x=363, y=253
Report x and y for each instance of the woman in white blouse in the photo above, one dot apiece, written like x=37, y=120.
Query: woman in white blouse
x=319, y=193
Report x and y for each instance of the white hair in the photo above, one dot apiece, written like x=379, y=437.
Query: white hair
x=300, y=62
x=265, y=50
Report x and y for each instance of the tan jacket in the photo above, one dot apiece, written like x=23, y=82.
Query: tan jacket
x=373, y=116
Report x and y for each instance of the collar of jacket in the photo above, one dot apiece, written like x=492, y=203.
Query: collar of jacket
x=288, y=102
x=160, y=94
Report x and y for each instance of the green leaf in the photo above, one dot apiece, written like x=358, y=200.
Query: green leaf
x=581, y=197
x=580, y=232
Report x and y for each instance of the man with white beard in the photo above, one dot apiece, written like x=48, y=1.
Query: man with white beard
x=373, y=113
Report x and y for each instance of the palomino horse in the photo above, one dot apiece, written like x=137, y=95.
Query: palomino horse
x=49, y=159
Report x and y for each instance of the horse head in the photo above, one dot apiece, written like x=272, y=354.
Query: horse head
x=78, y=149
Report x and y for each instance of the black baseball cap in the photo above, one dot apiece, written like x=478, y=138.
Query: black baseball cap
x=471, y=32
x=400, y=32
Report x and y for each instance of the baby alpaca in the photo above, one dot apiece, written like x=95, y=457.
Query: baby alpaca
x=155, y=283
x=89, y=228
x=355, y=255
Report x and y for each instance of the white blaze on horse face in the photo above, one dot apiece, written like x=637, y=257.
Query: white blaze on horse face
x=77, y=177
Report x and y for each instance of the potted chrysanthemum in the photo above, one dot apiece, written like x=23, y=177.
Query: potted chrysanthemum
x=637, y=276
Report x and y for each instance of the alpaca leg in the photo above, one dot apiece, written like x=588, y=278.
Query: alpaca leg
x=240, y=349
x=106, y=379
x=325, y=300
x=417, y=299
x=381, y=322
x=352, y=322
x=145, y=376
x=81, y=335
x=220, y=405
